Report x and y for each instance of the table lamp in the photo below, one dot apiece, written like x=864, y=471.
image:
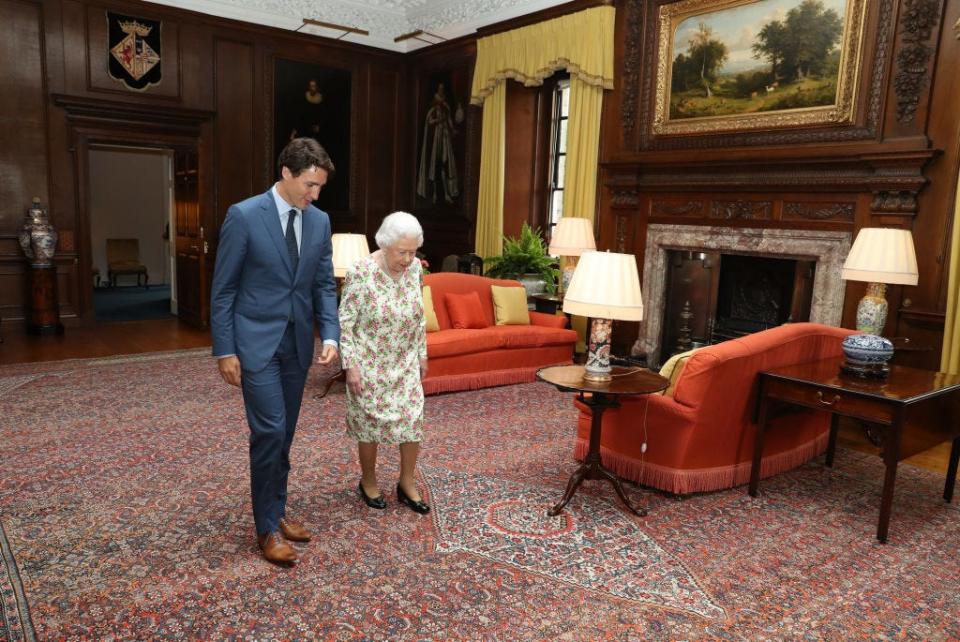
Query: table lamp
x=571, y=237
x=605, y=286
x=879, y=256
x=347, y=250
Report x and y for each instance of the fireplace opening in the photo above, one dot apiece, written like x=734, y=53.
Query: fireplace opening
x=715, y=296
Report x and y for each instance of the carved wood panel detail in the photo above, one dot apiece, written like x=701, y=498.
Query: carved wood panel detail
x=625, y=197
x=899, y=203
x=677, y=208
x=813, y=211
x=631, y=70
x=741, y=210
x=919, y=22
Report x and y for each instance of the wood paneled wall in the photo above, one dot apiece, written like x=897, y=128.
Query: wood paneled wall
x=56, y=96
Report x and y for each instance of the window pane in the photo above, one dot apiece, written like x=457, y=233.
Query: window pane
x=562, y=147
x=565, y=99
x=561, y=165
x=556, y=206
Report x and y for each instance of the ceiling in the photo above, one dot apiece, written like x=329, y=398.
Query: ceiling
x=384, y=19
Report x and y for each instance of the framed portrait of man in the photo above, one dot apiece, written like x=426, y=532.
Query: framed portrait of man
x=314, y=101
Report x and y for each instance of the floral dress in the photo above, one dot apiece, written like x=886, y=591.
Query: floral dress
x=383, y=334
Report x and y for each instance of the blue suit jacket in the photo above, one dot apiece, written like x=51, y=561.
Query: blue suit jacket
x=255, y=291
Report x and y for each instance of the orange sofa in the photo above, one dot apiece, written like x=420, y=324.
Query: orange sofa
x=494, y=355
x=701, y=437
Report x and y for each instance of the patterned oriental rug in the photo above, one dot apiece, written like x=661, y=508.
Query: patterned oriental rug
x=124, y=515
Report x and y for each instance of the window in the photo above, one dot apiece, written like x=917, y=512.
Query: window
x=558, y=152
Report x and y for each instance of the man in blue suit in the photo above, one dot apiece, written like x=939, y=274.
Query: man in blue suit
x=274, y=278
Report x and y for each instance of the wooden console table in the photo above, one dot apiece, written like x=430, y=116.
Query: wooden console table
x=603, y=395
x=913, y=409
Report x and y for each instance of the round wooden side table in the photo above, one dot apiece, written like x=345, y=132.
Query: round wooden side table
x=603, y=395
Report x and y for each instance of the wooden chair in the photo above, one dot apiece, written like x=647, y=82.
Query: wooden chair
x=123, y=257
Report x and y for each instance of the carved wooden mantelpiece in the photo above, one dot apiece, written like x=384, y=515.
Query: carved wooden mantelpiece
x=733, y=190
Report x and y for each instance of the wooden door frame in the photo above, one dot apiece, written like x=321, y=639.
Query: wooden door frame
x=93, y=122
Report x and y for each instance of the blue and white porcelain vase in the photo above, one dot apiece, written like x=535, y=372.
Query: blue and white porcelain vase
x=867, y=350
x=37, y=237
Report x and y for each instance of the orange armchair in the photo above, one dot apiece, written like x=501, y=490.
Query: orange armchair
x=701, y=437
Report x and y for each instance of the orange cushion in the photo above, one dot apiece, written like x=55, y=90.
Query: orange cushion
x=548, y=320
x=531, y=336
x=449, y=343
x=465, y=311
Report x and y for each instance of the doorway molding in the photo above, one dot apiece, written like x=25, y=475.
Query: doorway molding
x=92, y=122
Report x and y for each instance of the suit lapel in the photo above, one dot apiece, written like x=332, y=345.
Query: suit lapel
x=271, y=220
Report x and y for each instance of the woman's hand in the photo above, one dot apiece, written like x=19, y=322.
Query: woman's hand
x=423, y=369
x=354, y=381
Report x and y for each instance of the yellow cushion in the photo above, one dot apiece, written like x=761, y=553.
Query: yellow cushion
x=432, y=324
x=510, y=305
x=673, y=368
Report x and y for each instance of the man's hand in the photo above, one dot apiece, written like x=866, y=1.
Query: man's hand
x=327, y=354
x=354, y=381
x=230, y=370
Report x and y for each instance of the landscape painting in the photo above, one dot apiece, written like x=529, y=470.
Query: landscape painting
x=735, y=64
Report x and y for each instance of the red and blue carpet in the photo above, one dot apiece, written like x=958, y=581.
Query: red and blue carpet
x=125, y=515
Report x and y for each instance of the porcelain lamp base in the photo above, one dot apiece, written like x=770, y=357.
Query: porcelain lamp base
x=598, y=351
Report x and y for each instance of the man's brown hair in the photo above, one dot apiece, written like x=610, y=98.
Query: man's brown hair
x=301, y=154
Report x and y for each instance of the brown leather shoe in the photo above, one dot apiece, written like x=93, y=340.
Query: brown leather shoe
x=294, y=531
x=276, y=550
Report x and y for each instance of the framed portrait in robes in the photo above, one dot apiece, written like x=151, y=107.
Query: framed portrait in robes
x=443, y=134
x=313, y=100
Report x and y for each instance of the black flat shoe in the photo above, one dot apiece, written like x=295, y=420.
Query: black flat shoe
x=416, y=507
x=372, y=502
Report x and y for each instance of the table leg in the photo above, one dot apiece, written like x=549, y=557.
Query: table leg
x=592, y=467
x=832, y=443
x=891, y=457
x=758, y=442
x=952, y=471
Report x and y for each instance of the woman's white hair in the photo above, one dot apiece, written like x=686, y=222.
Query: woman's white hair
x=396, y=226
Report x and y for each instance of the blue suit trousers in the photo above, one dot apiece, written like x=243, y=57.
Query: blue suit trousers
x=272, y=397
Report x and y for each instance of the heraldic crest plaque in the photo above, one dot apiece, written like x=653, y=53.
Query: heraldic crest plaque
x=134, y=51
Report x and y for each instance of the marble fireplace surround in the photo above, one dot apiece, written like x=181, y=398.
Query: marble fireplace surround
x=828, y=248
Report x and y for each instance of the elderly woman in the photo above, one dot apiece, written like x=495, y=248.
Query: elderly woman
x=383, y=348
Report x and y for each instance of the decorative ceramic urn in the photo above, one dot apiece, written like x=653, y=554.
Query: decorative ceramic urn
x=866, y=355
x=37, y=236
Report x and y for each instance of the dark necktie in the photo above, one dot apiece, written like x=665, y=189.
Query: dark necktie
x=292, y=240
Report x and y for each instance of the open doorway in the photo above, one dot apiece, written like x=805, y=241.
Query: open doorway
x=131, y=210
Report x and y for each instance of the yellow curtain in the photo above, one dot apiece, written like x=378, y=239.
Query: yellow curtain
x=950, y=358
x=583, y=147
x=581, y=43
x=489, y=232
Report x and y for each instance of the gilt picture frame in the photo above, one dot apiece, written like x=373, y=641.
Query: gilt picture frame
x=727, y=66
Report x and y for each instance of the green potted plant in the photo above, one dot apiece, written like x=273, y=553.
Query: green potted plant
x=525, y=258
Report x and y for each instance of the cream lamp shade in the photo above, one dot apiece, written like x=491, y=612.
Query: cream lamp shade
x=882, y=255
x=572, y=237
x=605, y=285
x=347, y=250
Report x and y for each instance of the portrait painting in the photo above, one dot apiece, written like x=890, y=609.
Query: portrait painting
x=314, y=101
x=441, y=139
x=734, y=65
